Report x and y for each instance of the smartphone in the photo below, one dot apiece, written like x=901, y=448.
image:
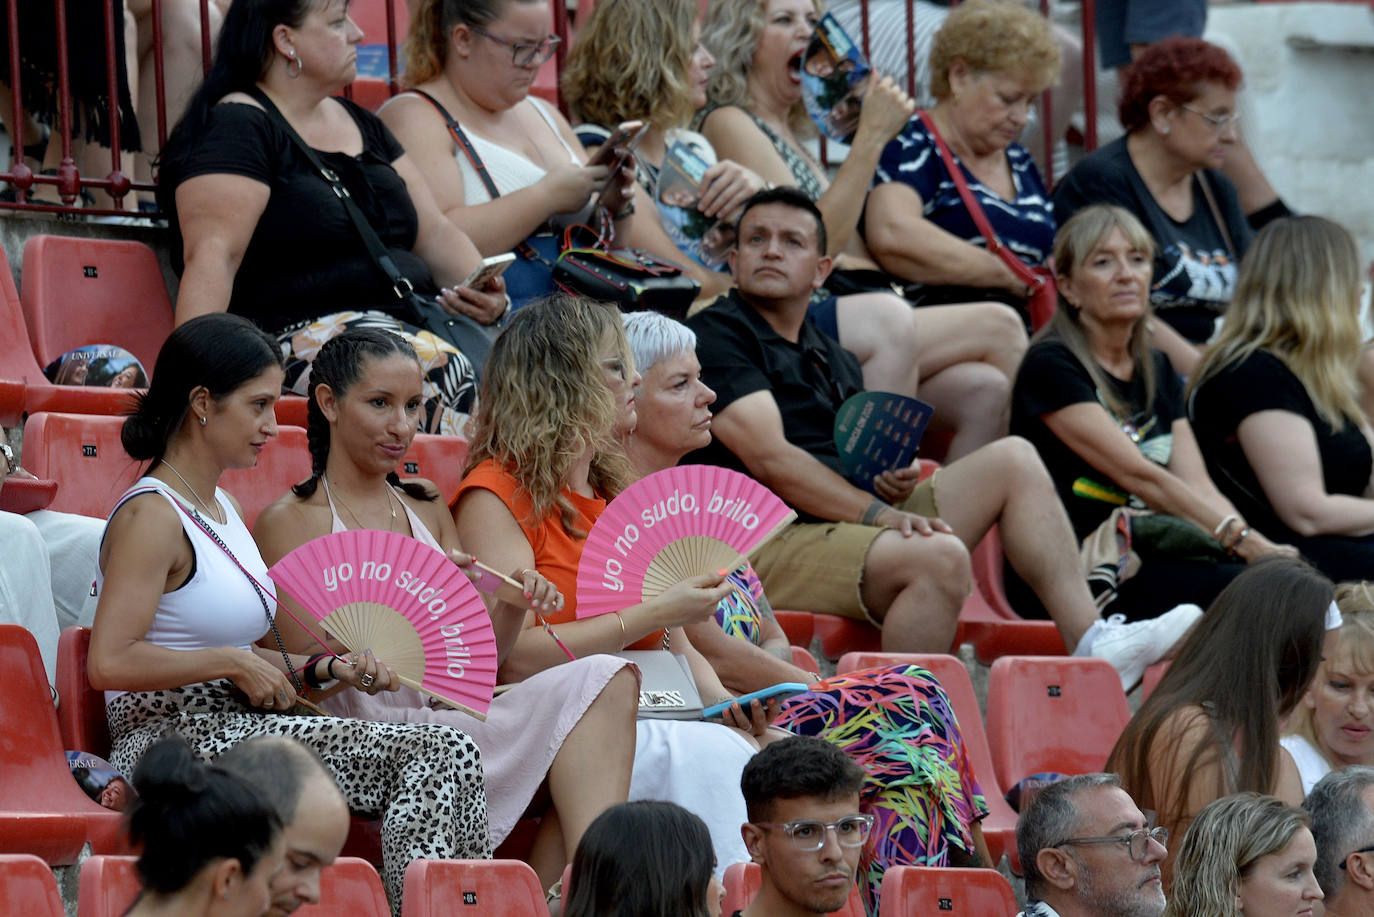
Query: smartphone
x=626, y=137
x=781, y=691
x=488, y=270
x=627, y=133
x=493, y=582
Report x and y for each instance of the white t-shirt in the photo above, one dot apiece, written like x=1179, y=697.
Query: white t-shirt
x=1311, y=765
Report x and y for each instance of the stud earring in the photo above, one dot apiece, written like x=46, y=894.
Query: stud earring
x=1164, y=129
x=202, y=420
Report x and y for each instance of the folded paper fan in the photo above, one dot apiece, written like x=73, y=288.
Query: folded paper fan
x=408, y=603
x=670, y=525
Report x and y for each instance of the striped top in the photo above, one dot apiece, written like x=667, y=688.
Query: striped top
x=1024, y=224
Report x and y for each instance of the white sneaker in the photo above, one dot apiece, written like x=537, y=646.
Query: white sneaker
x=1132, y=647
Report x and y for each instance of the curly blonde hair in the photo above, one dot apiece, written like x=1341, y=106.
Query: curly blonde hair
x=631, y=61
x=731, y=33
x=544, y=403
x=994, y=36
x=1298, y=297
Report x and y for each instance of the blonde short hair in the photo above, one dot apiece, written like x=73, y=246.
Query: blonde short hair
x=994, y=36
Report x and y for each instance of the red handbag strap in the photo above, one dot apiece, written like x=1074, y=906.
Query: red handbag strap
x=459, y=137
x=980, y=219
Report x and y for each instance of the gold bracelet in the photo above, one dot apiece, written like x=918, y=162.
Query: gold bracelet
x=623, y=636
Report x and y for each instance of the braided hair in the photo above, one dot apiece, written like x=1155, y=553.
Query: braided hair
x=339, y=365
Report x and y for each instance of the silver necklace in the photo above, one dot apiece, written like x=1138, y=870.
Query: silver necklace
x=205, y=506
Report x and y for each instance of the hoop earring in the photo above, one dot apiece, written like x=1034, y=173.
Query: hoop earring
x=293, y=59
x=202, y=420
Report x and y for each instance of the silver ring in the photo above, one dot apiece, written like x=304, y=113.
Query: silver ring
x=366, y=680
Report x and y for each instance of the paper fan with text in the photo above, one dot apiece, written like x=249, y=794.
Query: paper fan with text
x=408, y=603
x=670, y=525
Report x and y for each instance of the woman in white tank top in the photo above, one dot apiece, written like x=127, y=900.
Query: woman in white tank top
x=544, y=730
x=477, y=59
x=185, y=634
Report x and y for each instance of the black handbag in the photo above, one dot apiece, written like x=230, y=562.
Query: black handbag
x=630, y=278
x=469, y=336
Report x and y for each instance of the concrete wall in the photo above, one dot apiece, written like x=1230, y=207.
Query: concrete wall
x=1309, y=73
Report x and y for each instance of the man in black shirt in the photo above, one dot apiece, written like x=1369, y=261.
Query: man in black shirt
x=897, y=556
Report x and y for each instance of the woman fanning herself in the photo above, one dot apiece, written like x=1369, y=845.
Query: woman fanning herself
x=1334, y=727
x=211, y=844
x=568, y=727
x=966, y=357
x=1211, y=727
x=1106, y=413
x=1275, y=402
x=546, y=456
x=287, y=253
x=896, y=722
x=178, y=614
x=477, y=59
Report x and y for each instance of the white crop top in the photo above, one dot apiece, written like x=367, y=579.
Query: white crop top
x=509, y=170
x=217, y=605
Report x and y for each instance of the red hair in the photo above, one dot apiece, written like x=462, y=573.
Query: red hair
x=1175, y=68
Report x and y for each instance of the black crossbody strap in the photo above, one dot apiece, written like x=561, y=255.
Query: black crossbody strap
x=461, y=138
x=400, y=284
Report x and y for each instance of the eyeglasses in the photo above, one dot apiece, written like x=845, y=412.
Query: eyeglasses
x=524, y=53
x=1219, y=122
x=1353, y=852
x=850, y=831
x=1137, y=842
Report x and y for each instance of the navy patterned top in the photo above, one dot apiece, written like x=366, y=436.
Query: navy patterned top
x=1025, y=225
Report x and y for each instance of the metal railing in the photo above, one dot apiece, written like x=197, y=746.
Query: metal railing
x=119, y=183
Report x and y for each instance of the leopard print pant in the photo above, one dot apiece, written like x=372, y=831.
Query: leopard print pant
x=423, y=779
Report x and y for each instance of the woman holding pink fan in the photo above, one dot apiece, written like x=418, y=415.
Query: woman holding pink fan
x=546, y=456
x=895, y=721
x=567, y=728
x=185, y=599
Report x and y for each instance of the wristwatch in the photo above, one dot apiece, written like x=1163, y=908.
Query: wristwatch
x=11, y=466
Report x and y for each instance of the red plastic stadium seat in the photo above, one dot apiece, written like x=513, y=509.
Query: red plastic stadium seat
x=108, y=885
x=291, y=411
x=42, y=809
x=946, y=890
x=19, y=369
x=742, y=881
x=84, y=454
x=999, y=827
x=28, y=887
x=81, y=708
x=1153, y=673
x=78, y=292
x=348, y=886
x=990, y=622
x=1059, y=714
x=441, y=459
x=284, y=462
x=491, y=888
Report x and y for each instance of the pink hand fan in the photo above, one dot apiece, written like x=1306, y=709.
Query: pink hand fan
x=408, y=603
x=670, y=525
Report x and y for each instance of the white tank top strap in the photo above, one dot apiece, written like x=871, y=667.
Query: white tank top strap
x=418, y=530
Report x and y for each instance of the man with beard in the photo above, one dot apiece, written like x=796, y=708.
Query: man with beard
x=1086, y=852
x=313, y=812
x=805, y=830
x=1342, y=809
